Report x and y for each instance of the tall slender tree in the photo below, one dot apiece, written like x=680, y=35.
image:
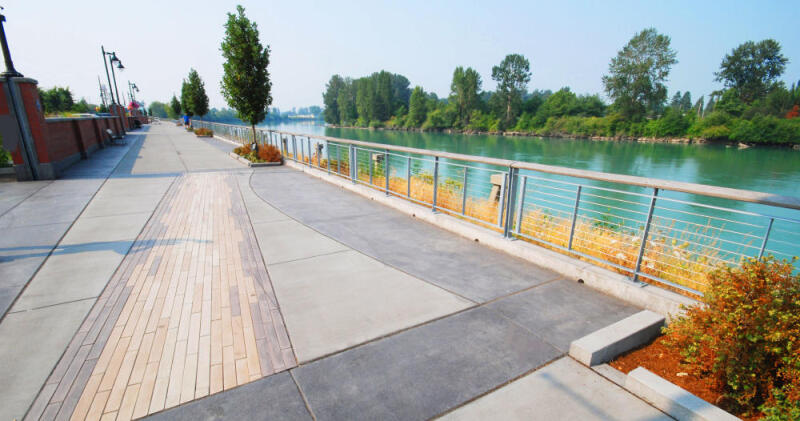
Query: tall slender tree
x=175, y=105
x=752, y=69
x=512, y=76
x=197, y=94
x=637, y=74
x=245, y=82
x=465, y=92
x=186, y=98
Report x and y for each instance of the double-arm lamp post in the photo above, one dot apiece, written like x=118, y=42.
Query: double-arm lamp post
x=131, y=88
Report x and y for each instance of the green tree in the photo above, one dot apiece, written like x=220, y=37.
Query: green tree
x=175, y=106
x=330, y=98
x=245, y=81
x=465, y=93
x=346, y=103
x=158, y=109
x=186, y=98
x=512, y=76
x=197, y=94
x=56, y=99
x=752, y=69
x=637, y=74
x=417, y=108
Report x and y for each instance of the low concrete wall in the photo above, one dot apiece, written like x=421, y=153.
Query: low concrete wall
x=68, y=140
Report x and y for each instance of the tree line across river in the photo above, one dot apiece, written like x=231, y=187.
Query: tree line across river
x=753, y=107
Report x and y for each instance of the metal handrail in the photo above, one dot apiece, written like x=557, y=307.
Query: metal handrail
x=739, y=195
x=512, y=199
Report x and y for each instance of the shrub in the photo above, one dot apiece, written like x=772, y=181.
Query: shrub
x=269, y=153
x=204, y=132
x=242, y=150
x=747, y=337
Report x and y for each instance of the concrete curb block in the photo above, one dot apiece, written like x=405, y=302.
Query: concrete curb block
x=672, y=399
x=254, y=164
x=648, y=296
x=607, y=343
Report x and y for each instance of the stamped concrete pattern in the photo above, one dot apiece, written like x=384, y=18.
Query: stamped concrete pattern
x=190, y=312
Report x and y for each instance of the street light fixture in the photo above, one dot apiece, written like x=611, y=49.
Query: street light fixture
x=10, y=70
x=112, y=58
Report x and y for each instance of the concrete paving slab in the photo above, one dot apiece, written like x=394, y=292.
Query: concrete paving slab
x=273, y=398
x=422, y=372
x=563, y=311
x=38, y=210
x=563, y=390
x=40, y=336
x=258, y=210
x=336, y=301
x=93, y=232
x=425, y=251
x=72, y=276
x=121, y=205
x=12, y=193
x=289, y=240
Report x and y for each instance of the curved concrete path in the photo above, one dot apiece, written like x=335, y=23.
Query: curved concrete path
x=386, y=316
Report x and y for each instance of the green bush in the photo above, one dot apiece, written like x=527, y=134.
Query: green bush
x=747, y=337
x=766, y=129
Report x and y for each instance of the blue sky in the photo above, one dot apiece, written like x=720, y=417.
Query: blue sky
x=569, y=43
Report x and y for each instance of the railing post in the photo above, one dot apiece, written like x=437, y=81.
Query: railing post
x=502, y=203
x=464, y=192
x=408, y=178
x=338, y=162
x=386, y=169
x=435, y=181
x=521, y=207
x=310, y=155
x=642, y=246
x=294, y=148
x=766, y=238
x=328, y=153
x=511, y=195
x=302, y=152
x=353, y=164
x=371, y=163
x=574, y=217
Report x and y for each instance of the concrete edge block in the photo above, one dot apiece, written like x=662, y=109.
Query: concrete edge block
x=648, y=296
x=612, y=374
x=605, y=344
x=672, y=399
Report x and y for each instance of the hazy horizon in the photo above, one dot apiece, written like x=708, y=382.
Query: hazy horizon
x=567, y=44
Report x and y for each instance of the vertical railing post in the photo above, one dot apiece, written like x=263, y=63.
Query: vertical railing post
x=310, y=155
x=464, y=192
x=353, y=164
x=521, y=207
x=338, y=162
x=371, y=164
x=502, y=203
x=435, y=182
x=408, y=177
x=294, y=147
x=647, y=224
x=328, y=153
x=386, y=169
x=766, y=238
x=574, y=217
x=511, y=194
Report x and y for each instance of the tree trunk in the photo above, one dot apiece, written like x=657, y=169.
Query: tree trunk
x=253, y=126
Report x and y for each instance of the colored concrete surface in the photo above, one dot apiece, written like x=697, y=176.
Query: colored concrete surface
x=563, y=390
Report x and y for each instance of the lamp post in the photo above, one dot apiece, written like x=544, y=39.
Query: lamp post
x=112, y=59
x=131, y=88
x=10, y=70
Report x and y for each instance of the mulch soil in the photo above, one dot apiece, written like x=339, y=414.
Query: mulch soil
x=668, y=363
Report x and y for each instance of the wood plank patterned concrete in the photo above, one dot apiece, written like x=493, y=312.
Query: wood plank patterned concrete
x=190, y=312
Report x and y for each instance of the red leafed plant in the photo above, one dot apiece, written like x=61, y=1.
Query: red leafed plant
x=747, y=337
x=269, y=153
x=794, y=112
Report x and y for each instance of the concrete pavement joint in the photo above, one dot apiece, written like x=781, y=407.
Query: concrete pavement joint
x=302, y=395
x=250, y=184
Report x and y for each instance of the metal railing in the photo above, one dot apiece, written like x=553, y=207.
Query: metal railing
x=657, y=231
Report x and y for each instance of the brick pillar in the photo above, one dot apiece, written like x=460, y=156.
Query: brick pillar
x=21, y=96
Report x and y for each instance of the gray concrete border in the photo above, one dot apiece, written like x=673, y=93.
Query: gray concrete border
x=607, y=343
x=253, y=164
x=672, y=399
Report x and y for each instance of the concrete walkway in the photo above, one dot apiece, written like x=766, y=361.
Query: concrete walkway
x=183, y=257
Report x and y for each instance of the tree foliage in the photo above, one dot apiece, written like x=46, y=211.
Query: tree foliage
x=512, y=76
x=417, y=108
x=330, y=98
x=175, y=105
x=465, y=93
x=196, y=98
x=245, y=81
x=158, y=109
x=637, y=74
x=751, y=69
